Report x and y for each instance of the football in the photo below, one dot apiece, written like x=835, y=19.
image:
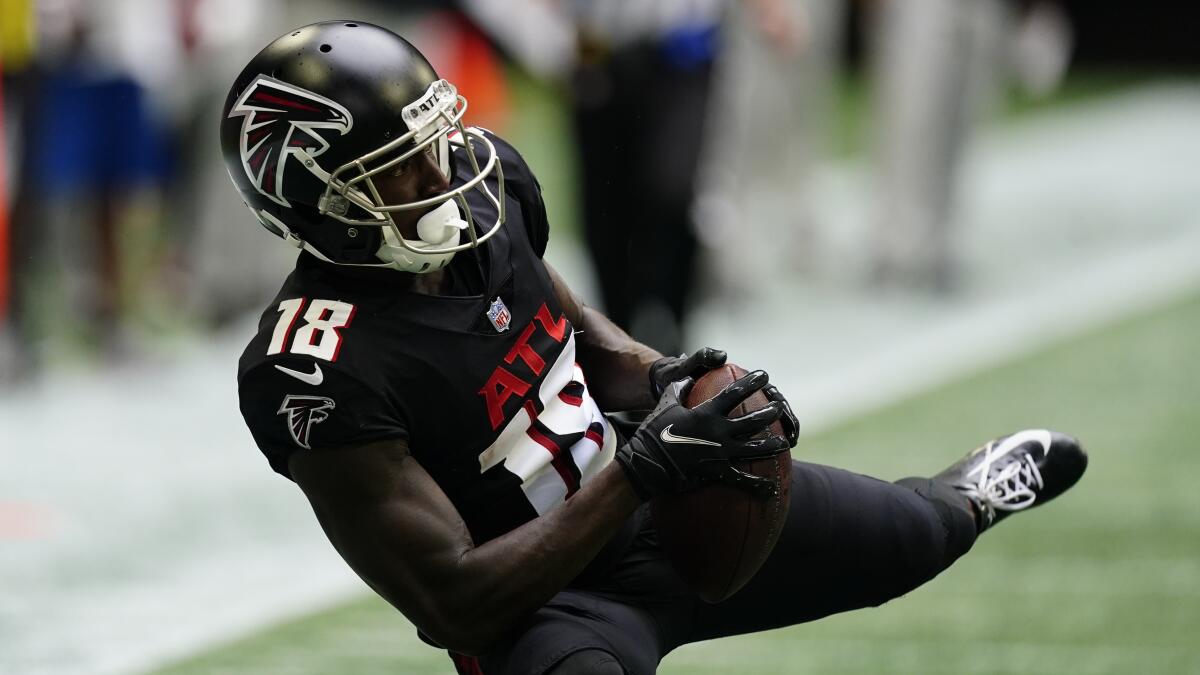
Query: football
x=718, y=536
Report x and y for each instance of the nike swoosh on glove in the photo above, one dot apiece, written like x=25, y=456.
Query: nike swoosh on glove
x=679, y=448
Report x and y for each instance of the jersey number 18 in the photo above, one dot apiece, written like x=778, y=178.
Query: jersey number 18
x=319, y=335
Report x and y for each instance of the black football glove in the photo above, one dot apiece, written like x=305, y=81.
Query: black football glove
x=791, y=425
x=673, y=368
x=679, y=448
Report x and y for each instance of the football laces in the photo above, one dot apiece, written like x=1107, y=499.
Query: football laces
x=1004, y=480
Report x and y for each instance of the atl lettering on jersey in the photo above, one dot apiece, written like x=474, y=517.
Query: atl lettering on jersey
x=535, y=343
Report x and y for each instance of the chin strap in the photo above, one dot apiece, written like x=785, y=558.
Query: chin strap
x=439, y=229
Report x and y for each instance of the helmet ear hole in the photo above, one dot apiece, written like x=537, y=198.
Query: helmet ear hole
x=361, y=247
x=347, y=245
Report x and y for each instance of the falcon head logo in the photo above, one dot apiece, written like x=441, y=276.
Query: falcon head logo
x=279, y=120
x=302, y=413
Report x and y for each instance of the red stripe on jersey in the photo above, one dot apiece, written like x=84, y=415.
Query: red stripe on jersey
x=531, y=411
x=337, y=330
x=594, y=437
x=559, y=460
x=567, y=477
x=542, y=440
x=466, y=665
x=569, y=399
x=287, y=334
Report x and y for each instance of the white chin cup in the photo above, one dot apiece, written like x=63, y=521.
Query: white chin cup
x=440, y=228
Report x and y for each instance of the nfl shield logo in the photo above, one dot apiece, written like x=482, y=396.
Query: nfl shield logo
x=498, y=315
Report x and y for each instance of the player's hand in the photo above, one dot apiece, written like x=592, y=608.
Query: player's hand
x=791, y=425
x=679, y=448
x=674, y=368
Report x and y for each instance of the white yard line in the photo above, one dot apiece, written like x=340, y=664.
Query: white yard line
x=974, y=336
x=157, y=529
x=1068, y=221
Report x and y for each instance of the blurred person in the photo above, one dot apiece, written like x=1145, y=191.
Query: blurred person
x=937, y=65
x=932, y=61
x=16, y=73
x=639, y=75
x=756, y=208
x=641, y=95
x=439, y=395
x=92, y=147
x=212, y=274
x=663, y=54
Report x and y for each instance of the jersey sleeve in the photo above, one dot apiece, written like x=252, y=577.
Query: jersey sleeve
x=286, y=413
x=521, y=183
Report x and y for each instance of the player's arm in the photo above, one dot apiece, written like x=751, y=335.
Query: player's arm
x=624, y=374
x=616, y=365
x=395, y=527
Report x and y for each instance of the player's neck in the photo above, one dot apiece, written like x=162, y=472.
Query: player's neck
x=437, y=282
x=430, y=283
x=380, y=277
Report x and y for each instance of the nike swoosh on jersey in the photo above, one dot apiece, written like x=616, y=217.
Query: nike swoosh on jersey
x=314, y=378
x=669, y=437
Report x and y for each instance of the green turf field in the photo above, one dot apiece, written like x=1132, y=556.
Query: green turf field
x=1105, y=581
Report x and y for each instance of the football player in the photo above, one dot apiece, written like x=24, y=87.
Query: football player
x=441, y=396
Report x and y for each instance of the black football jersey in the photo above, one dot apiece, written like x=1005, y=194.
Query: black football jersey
x=484, y=387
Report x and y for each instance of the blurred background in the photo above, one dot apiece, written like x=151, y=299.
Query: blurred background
x=932, y=221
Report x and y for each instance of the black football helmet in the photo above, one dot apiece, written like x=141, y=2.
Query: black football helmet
x=323, y=109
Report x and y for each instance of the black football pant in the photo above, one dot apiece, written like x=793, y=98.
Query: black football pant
x=850, y=541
